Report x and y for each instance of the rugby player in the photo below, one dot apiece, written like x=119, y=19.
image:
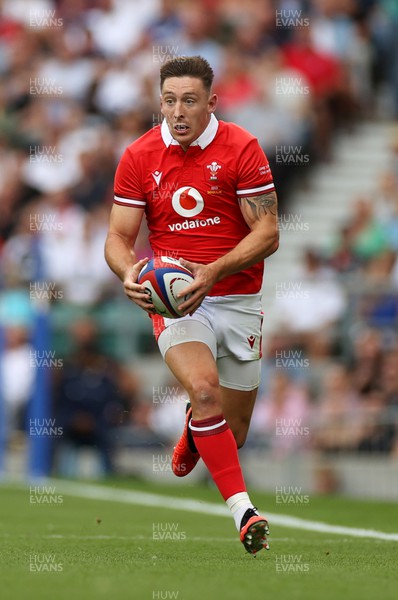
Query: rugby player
x=206, y=190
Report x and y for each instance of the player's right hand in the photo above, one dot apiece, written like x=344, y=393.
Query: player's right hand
x=136, y=292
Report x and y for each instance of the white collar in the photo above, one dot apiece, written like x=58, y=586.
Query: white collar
x=203, y=140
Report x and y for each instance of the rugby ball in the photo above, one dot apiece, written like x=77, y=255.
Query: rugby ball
x=164, y=277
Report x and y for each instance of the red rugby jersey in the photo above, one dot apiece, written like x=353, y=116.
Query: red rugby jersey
x=191, y=198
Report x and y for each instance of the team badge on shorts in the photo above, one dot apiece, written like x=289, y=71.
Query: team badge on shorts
x=251, y=339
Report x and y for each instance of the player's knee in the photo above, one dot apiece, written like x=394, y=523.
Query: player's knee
x=205, y=397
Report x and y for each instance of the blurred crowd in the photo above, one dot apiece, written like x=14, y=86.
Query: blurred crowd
x=79, y=82
x=333, y=361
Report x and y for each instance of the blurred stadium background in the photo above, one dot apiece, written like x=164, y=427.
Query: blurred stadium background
x=83, y=391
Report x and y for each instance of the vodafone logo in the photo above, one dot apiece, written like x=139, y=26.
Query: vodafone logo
x=187, y=202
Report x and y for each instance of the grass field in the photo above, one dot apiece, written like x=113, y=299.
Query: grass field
x=59, y=546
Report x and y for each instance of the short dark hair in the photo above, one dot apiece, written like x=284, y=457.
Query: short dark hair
x=188, y=66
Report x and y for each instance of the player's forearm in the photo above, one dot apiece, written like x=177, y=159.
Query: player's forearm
x=119, y=255
x=254, y=248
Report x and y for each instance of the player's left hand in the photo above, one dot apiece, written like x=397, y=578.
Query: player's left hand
x=205, y=277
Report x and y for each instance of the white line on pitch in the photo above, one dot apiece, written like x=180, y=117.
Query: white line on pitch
x=97, y=492
x=147, y=538
x=138, y=538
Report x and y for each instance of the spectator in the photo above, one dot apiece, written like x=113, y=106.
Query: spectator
x=343, y=258
x=166, y=25
x=89, y=404
x=389, y=378
x=17, y=376
x=368, y=237
x=311, y=304
x=236, y=84
x=281, y=416
x=378, y=304
x=387, y=207
x=335, y=419
x=198, y=35
x=377, y=432
x=367, y=359
x=83, y=278
x=116, y=25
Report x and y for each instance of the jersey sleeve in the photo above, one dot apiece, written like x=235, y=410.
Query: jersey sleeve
x=254, y=173
x=128, y=182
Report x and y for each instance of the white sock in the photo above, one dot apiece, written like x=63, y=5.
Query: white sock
x=238, y=505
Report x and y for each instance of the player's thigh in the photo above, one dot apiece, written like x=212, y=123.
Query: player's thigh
x=189, y=348
x=189, y=351
x=191, y=361
x=194, y=366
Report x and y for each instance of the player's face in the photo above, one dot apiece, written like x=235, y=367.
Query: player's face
x=186, y=105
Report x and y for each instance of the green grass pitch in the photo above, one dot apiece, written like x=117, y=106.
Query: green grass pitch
x=70, y=548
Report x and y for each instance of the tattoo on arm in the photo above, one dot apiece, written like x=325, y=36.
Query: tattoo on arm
x=261, y=205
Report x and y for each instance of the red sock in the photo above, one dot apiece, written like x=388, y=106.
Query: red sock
x=217, y=447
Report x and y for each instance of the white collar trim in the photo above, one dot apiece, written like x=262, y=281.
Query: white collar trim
x=203, y=140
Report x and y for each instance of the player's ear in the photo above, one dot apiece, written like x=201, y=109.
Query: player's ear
x=213, y=99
